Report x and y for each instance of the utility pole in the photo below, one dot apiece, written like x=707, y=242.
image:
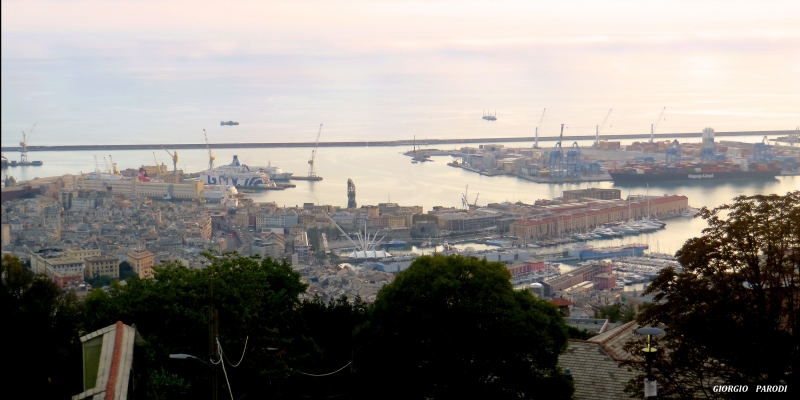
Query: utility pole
x=213, y=331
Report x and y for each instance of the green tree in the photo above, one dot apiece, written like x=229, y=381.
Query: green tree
x=454, y=327
x=41, y=330
x=330, y=325
x=256, y=302
x=99, y=281
x=617, y=313
x=126, y=270
x=731, y=313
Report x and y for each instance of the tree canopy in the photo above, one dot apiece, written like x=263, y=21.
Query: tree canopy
x=41, y=330
x=255, y=301
x=731, y=313
x=454, y=327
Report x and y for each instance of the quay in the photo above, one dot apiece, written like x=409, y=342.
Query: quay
x=386, y=143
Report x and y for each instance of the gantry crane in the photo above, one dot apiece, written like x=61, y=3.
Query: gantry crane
x=312, y=173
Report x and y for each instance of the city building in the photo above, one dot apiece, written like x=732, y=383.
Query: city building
x=575, y=277
x=102, y=266
x=142, y=263
x=271, y=245
x=592, y=193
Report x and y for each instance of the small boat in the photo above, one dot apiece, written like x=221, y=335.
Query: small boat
x=415, y=162
x=396, y=243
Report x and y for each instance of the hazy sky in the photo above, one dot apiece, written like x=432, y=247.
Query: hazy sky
x=139, y=71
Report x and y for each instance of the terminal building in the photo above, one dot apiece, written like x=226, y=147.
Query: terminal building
x=594, y=272
x=571, y=218
x=593, y=193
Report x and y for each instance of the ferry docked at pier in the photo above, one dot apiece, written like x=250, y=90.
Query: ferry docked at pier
x=238, y=175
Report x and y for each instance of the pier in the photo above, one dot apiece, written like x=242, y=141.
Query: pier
x=385, y=143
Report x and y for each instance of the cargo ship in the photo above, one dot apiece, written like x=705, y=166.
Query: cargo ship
x=230, y=123
x=738, y=170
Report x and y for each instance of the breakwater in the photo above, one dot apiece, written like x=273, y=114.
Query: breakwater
x=389, y=143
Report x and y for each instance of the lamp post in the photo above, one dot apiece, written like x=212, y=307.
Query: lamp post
x=650, y=387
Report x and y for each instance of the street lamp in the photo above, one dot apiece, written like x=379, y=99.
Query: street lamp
x=182, y=356
x=650, y=388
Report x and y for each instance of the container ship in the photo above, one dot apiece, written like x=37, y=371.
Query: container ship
x=728, y=170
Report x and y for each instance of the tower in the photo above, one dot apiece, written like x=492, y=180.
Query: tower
x=351, y=194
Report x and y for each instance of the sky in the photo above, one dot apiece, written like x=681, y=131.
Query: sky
x=90, y=72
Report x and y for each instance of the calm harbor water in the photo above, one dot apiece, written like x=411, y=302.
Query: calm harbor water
x=383, y=174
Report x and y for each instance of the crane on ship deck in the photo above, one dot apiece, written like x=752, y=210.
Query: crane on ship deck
x=312, y=172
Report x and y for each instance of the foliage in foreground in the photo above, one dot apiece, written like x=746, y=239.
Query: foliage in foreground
x=41, y=330
x=731, y=314
x=453, y=327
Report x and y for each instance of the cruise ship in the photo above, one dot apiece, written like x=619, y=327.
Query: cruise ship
x=238, y=175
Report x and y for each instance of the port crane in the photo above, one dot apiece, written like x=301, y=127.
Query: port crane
x=210, y=156
x=654, y=126
x=113, y=165
x=108, y=170
x=227, y=195
x=312, y=173
x=174, y=156
x=23, y=157
x=557, y=158
x=600, y=127
x=536, y=139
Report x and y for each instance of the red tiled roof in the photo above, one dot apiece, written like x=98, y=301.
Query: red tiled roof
x=561, y=302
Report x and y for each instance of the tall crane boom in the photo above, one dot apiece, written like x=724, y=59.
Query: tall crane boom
x=113, y=165
x=312, y=173
x=654, y=126
x=174, y=156
x=23, y=157
x=210, y=156
x=536, y=140
x=600, y=127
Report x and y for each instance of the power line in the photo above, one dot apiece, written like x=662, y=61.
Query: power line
x=330, y=373
x=240, y=360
